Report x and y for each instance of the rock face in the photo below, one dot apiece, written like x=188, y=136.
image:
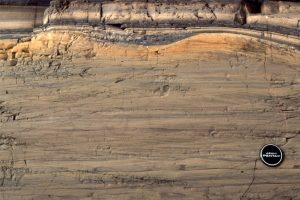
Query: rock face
x=82, y=119
x=76, y=12
x=25, y=2
x=148, y=100
x=272, y=16
x=20, y=18
x=274, y=7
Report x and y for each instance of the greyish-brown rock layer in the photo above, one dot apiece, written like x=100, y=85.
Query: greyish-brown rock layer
x=140, y=101
x=273, y=16
x=88, y=119
x=276, y=16
x=20, y=18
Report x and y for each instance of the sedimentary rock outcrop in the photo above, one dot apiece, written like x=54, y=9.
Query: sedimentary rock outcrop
x=151, y=100
x=25, y=2
x=87, y=119
x=272, y=16
x=20, y=18
x=275, y=16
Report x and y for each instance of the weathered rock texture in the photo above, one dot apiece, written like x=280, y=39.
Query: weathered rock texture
x=272, y=16
x=25, y=2
x=20, y=18
x=275, y=16
x=274, y=7
x=109, y=112
x=82, y=119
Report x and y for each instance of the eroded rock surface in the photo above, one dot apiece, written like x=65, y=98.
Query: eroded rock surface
x=270, y=15
x=123, y=102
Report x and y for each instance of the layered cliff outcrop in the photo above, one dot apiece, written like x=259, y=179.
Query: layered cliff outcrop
x=149, y=100
x=87, y=118
x=276, y=16
x=270, y=15
x=143, y=13
x=147, y=23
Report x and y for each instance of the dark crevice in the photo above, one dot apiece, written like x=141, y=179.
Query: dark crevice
x=117, y=26
x=253, y=6
x=251, y=182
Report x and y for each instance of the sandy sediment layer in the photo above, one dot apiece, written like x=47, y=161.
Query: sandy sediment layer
x=88, y=119
x=104, y=108
x=67, y=44
x=110, y=112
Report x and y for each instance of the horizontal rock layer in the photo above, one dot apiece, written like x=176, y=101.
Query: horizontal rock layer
x=25, y=2
x=106, y=107
x=137, y=13
x=20, y=18
x=48, y=44
x=274, y=16
x=88, y=119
